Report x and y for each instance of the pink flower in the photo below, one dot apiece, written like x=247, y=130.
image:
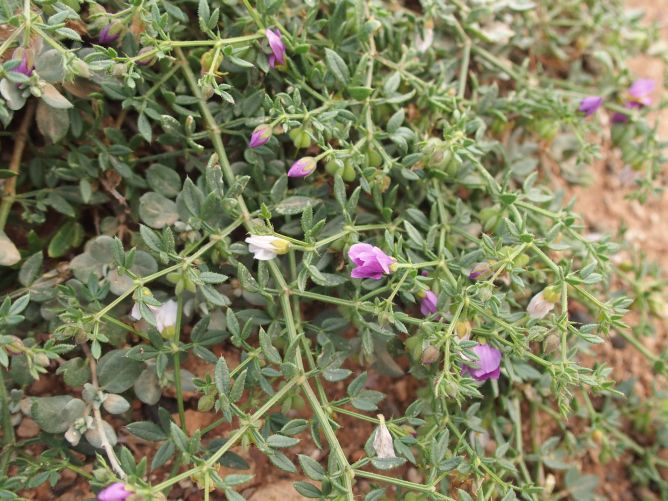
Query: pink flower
x=303, y=167
x=488, y=365
x=114, y=492
x=260, y=136
x=590, y=104
x=370, y=262
x=639, y=97
x=277, y=47
x=428, y=303
x=640, y=91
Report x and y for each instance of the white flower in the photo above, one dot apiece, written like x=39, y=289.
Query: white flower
x=266, y=247
x=165, y=316
x=540, y=305
x=423, y=44
x=382, y=442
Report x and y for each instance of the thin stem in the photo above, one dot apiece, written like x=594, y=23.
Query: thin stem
x=99, y=422
x=176, y=351
x=8, y=438
x=20, y=140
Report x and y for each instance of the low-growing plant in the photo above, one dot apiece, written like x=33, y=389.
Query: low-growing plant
x=267, y=212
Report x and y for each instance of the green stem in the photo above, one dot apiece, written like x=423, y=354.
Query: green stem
x=8, y=439
x=231, y=440
x=176, y=350
x=429, y=489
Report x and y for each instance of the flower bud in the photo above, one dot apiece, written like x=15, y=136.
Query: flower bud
x=260, y=136
x=430, y=355
x=463, y=328
x=146, y=56
x=109, y=33
x=303, y=167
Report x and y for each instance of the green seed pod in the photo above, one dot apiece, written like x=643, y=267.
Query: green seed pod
x=300, y=138
x=374, y=158
x=334, y=166
x=348, y=174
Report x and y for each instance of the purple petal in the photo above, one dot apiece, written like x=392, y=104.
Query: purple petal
x=642, y=87
x=355, y=252
x=276, y=45
x=428, y=304
x=590, y=104
x=488, y=365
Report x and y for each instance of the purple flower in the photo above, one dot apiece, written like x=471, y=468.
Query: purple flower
x=302, y=167
x=260, y=136
x=25, y=67
x=590, y=104
x=109, y=34
x=277, y=47
x=114, y=492
x=370, y=261
x=428, y=303
x=488, y=365
x=640, y=91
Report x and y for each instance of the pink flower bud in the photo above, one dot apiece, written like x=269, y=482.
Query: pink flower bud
x=260, y=136
x=302, y=167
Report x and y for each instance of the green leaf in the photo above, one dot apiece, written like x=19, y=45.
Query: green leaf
x=52, y=123
x=163, y=454
x=156, y=210
x=116, y=372
x=238, y=387
x=221, y=376
x=307, y=490
x=179, y=437
x=55, y=414
x=147, y=430
x=144, y=127
x=281, y=441
x=312, y=469
x=68, y=236
x=337, y=66
x=164, y=180
x=295, y=205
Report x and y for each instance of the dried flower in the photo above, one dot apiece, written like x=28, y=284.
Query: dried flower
x=277, y=47
x=589, y=105
x=266, y=247
x=428, y=303
x=114, y=492
x=382, y=441
x=302, y=167
x=370, y=261
x=542, y=303
x=260, y=136
x=488, y=365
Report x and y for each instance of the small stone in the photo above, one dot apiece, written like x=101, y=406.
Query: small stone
x=27, y=429
x=618, y=342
